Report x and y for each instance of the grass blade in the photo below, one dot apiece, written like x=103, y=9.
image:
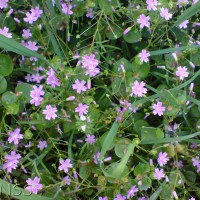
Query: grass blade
x=166, y=140
x=109, y=139
x=191, y=11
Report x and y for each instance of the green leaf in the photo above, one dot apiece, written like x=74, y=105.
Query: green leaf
x=118, y=171
x=108, y=140
x=107, y=6
x=141, y=168
x=155, y=195
x=132, y=36
x=195, y=58
x=24, y=89
x=6, y=65
x=113, y=32
x=3, y=84
x=146, y=183
x=150, y=133
x=8, y=98
x=121, y=147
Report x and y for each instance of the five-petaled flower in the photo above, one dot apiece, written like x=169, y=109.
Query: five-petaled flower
x=65, y=165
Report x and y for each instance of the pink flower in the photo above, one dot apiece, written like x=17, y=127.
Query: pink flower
x=164, y=13
x=151, y=4
x=34, y=185
x=82, y=109
x=138, y=89
x=132, y=191
x=66, y=9
x=181, y=72
x=90, y=139
x=5, y=32
x=64, y=165
x=159, y=174
x=143, y=21
x=42, y=144
x=120, y=197
x=162, y=158
x=96, y=156
x=158, y=108
x=3, y=4
x=30, y=18
x=79, y=86
x=26, y=33
x=15, y=136
x=67, y=180
x=52, y=80
x=144, y=56
x=90, y=60
x=184, y=24
x=50, y=112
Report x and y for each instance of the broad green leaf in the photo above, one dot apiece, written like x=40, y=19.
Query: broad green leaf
x=121, y=147
x=142, y=168
x=146, y=183
x=113, y=32
x=24, y=89
x=6, y=65
x=107, y=6
x=8, y=98
x=3, y=84
x=118, y=171
x=195, y=58
x=132, y=36
x=108, y=140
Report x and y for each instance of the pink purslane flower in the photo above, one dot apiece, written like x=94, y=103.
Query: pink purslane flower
x=33, y=15
x=162, y=158
x=5, y=32
x=65, y=165
x=138, y=89
x=79, y=86
x=120, y=197
x=50, y=112
x=159, y=174
x=36, y=95
x=12, y=161
x=164, y=13
x=67, y=180
x=184, y=24
x=181, y=72
x=143, y=21
x=132, y=191
x=42, y=145
x=90, y=64
x=3, y=4
x=15, y=136
x=90, y=139
x=144, y=56
x=96, y=156
x=196, y=163
x=26, y=33
x=158, y=108
x=33, y=185
x=82, y=109
x=52, y=80
x=66, y=9
x=151, y=4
